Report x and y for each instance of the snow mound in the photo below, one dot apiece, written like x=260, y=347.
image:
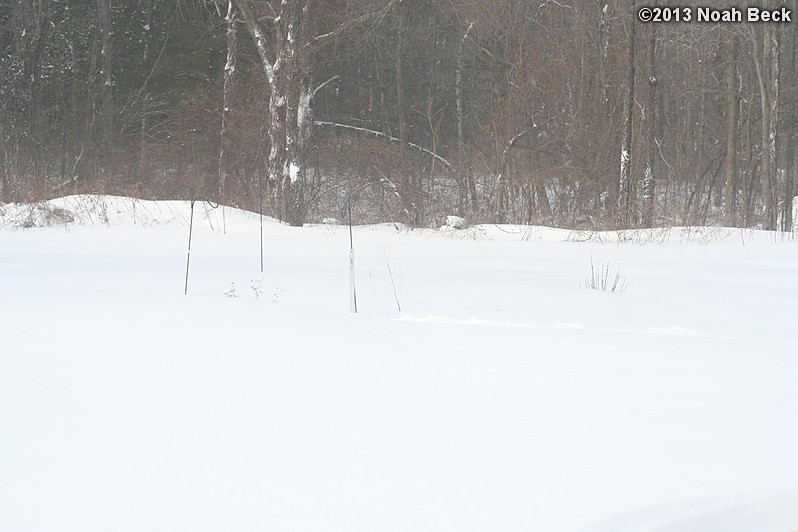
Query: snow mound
x=101, y=210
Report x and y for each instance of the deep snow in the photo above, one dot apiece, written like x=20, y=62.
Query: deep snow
x=505, y=396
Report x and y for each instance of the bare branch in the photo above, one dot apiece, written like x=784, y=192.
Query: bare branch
x=379, y=134
x=327, y=38
x=317, y=89
x=255, y=28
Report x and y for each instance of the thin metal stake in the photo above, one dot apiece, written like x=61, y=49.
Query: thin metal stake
x=352, y=291
x=188, y=255
x=260, y=193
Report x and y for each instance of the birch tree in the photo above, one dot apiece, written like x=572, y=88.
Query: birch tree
x=231, y=22
x=285, y=39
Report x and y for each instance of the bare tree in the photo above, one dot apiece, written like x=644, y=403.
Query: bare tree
x=730, y=161
x=766, y=60
x=106, y=53
x=789, y=165
x=649, y=177
x=32, y=22
x=401, y=105
x=468, y=188
x=624, y=182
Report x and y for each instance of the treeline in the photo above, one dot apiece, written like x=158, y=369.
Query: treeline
x=568, y=113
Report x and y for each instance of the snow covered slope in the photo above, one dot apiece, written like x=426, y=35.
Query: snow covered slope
x=505, y=395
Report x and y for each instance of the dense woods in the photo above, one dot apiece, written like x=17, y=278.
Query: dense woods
x=568, y=113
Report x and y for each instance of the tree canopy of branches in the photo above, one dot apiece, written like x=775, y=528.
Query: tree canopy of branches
x=509, y=111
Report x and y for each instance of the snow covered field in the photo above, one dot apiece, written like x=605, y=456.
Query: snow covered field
x=503, y=397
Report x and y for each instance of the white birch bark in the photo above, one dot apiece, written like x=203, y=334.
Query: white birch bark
x=231, y=21
x=284, y=52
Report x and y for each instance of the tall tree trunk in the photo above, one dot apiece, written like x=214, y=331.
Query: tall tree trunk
x=148, y=13
x=768, y=72
x=471, y=187
x=764, y=98
x=412, y=182
x=144, y=157
x=766, y=62
x=790, y=171
x=502, y=182
x=649, y=178
x=225, y=151
x=5, y=192
x=605, y=27
x=791, y=130
x=774, y=51
x=543, y=203
x=400, y=78
x=730, y=162
x=289, y=103
x=106, y=53
x=34, y=75
x=33, y=17
x=624, y=182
